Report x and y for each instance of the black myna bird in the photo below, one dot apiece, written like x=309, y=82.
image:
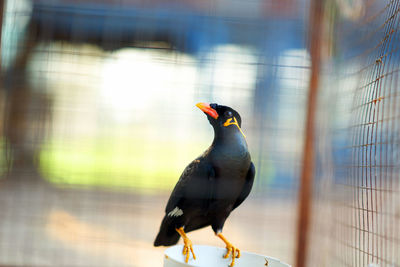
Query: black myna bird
x=212, y=185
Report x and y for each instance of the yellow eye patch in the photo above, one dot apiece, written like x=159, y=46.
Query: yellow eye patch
x=233, y=121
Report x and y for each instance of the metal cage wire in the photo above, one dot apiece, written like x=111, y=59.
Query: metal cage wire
x=361, y=188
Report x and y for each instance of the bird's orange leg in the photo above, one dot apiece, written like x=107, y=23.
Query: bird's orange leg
x=187, y=248
x=231, y=250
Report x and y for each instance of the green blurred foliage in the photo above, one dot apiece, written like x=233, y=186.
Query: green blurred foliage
x=116, y=163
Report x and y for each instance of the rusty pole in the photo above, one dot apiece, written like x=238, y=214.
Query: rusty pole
x=306, y=182
x=1, y=27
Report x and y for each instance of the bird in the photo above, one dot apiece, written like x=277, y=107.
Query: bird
x=212, y=185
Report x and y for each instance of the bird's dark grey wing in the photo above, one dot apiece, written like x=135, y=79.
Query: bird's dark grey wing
x=193, y=185
x=247, y=186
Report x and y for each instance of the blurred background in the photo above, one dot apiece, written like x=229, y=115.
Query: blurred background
x=98, y=120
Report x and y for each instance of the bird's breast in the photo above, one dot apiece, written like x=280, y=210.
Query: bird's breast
x=232, y=161
x=235, y=151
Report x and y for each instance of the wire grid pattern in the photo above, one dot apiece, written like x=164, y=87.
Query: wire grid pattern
x=95, y=101
x=360, y=192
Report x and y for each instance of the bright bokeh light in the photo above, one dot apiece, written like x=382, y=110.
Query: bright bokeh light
x=135, y=82
x=131, y=115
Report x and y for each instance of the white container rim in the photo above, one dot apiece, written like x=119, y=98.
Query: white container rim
x=209, y=256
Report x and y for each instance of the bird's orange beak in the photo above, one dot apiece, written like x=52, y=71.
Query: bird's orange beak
x=207, y=109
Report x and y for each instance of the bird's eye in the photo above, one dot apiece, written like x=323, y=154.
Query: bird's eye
x=228, y=114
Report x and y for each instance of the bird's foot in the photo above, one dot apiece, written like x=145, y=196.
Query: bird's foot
x=187, y=247
x=234, y=251
x=231, y=250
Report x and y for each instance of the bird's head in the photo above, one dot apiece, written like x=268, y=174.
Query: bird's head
x=222, y=118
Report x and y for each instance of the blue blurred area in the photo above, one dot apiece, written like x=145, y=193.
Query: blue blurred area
x=185, y=29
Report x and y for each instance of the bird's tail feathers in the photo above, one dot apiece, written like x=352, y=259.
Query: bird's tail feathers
x=167, y=236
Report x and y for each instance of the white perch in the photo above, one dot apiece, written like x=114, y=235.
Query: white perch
x=207, y=256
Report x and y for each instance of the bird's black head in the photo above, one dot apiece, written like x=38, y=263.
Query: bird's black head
x=222, y=118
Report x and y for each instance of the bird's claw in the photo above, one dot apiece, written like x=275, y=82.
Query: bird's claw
x=234, y=251
x=187, y=248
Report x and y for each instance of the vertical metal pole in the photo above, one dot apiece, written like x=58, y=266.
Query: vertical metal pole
x=1, y=28
x=306, y=182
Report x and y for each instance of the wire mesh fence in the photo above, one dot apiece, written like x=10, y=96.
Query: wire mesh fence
x=357, y=200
